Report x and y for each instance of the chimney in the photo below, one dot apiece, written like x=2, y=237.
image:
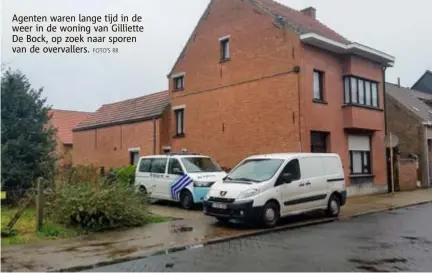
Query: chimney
x=398, y=81
x=310, y=11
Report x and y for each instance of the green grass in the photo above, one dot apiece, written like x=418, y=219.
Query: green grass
x=25, y=228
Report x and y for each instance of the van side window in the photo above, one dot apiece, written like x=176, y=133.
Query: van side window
x=293, y=167
x=158, y=165
x=174, y=165
x=145, y=165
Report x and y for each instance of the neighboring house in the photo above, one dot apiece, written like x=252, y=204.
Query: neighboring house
x=118, y=133
x=410, y=120
x=64, y=121
x=424, y=84
x=258, y=77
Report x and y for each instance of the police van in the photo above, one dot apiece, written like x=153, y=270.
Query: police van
x=182, y=177
x=267, y=187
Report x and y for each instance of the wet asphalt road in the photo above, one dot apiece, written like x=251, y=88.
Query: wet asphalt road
x=398, y=240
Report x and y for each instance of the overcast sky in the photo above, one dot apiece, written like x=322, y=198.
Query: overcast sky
x=85, y=82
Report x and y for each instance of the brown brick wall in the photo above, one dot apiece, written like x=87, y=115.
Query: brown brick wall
x=239, y=107
x=407, y=175
x=329, y=117
x=409, y=131
x=109, y=146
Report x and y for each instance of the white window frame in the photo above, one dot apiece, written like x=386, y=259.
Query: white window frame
x=360, y=145
x=224, y=43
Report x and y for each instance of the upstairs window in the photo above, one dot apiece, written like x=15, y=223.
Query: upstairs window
x=360, y=92
x=318, y=85
x=224, y=48
x=179, y=82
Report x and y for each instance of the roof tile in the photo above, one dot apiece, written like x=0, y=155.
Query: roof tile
x=126, y=111
x=64, y=121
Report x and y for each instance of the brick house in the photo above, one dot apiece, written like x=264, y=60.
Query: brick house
x=64, y=121
x=410, y=119
x=258, y=77
x=118, y=133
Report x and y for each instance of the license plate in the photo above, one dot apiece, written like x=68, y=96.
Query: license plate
x=219, y=206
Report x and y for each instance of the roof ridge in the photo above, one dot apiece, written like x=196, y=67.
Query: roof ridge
x=74, y=111
x=131, y=99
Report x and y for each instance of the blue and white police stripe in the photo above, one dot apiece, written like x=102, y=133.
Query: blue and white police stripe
x=178, y=185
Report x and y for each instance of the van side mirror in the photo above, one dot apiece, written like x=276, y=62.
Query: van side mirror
x=286, y=178
x=177, y=171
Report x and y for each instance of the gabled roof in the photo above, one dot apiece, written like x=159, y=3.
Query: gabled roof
x=299, y=21
x=405, y=97
x=127, y=111
x=64, y=121
x=424, y=84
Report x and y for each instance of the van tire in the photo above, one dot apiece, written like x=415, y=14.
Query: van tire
x=333, y=206
x=270, y=214
x=143, y=189
x=186, y=199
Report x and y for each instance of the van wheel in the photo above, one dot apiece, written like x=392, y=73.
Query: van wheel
x=143, y=189
x=186, y=199
x=270, y=215
x=333, y=206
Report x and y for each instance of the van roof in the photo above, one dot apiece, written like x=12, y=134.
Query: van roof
x=172, y=155
x=291, y=155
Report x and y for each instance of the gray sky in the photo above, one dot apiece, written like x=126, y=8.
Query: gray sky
x=85, y=82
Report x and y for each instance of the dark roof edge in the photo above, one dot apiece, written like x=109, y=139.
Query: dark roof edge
x=114, y=123
x=421, y=78
x=206, y=11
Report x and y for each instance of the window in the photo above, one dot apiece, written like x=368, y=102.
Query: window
x=318, y=85
x=255, y=170
x=224, y=49
x=133, y=157
x=179, y=118
x=359, y=149
x=319, y=142
x=158, y=165
x=179, y=83
x=200, y=165
x=145, y=165
x=293, y=167
x=174, y=165
x=360, y=91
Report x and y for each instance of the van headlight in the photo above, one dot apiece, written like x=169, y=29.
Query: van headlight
x=203, y=184
x=248, y=193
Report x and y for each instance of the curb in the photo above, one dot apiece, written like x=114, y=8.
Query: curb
x=229, y=238
x=384, y=209
x=194, y=246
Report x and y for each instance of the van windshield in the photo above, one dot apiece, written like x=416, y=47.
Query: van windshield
x=255, y=170
x=200, y=165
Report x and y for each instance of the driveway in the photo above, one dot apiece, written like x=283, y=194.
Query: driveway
x=398, y=240
x=173, y=210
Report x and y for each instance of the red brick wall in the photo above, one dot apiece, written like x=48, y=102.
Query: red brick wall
x=407, y=175
x=109, y=146
x=329, y=117
x=238, y=108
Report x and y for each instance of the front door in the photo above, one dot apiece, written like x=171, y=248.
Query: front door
x=293, y=194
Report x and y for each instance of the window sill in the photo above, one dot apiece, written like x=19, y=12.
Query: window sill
x=179, y=136
x=178, y=90
x=224, y=60
x=362, y=106
x=319, y=101
x=361, y=175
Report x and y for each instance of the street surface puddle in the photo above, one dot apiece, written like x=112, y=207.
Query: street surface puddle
x=371, y=266
x=417, y=240
x=169, y=265
x=178, y=229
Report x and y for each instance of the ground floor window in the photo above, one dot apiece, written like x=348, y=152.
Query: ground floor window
x=319, y=142
x=133, y=157
x=360, y=154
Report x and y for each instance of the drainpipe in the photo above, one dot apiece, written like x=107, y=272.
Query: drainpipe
x=426, y=162
x=385, y=124
x=297, y=70
x=154, y=136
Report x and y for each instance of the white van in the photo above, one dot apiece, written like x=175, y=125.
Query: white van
x=267, y=187
x=185, y=178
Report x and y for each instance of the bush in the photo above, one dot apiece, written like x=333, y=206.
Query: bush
x=78, y=174
x=98, y=207
x=124, y=175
